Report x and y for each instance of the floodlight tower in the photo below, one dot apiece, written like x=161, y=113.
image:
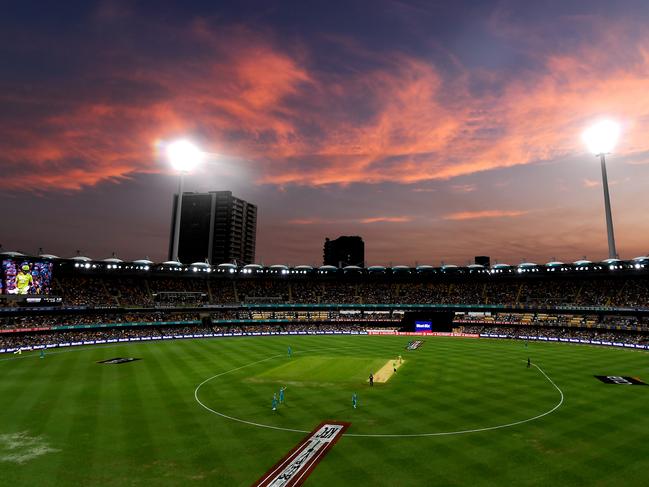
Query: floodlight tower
x=183, y=156
x=600, y=140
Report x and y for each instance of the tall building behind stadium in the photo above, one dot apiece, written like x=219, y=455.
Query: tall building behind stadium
x=216, y=227
x=344, y=251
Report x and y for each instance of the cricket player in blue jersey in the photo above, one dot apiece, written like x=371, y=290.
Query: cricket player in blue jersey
x=42, y=353
x=274, y=401
x=290, y=352
x=281, y=394
x=354, y=400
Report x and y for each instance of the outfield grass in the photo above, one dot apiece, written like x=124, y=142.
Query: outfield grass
x=66, y=420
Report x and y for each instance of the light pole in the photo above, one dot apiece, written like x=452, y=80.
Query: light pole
x=183, y=156
x=600, y=140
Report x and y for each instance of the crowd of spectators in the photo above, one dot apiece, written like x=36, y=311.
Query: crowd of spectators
x=558, y=332
x=49, y=320
x=194, y=291
x=8, y=341
x=39, y=321
x=614, y=322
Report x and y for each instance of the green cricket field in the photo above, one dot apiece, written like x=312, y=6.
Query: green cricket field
x=199, y=412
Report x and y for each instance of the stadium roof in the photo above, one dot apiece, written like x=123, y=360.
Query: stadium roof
x=81, y=258
x=12, y=254
x=172, y=262
x=143, y=262
x=304, y=267
x=400, y=268
x=113, y=260
x=582, y=262
x=49, y=256
x=554, y=263
x=200, y=264
x=528, y=264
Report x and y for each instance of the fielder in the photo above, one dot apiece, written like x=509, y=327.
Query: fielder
x=290, y=352
x=281, y=394
x=274, y=401
x=354, y=400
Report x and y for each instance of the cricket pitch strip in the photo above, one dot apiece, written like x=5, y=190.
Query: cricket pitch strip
x=387, y=371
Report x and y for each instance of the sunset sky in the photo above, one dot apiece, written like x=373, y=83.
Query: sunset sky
x=435, y=130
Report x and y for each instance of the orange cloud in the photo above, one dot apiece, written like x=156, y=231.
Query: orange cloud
x=386, y=219
x=368, y=220
x=399, y=121
x=478, y=215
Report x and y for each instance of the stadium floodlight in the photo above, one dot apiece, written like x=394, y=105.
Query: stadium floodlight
x=600, y=139
x=183, y=156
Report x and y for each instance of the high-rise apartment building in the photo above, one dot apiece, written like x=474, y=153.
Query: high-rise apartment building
x=216, y=227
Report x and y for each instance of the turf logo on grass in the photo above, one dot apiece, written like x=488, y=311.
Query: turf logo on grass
x=118, y=360
x=297, y=465
x=21, y=447
x=621, y=380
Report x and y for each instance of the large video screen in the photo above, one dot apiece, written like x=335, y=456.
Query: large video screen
x=26, y=277
x=423, y=326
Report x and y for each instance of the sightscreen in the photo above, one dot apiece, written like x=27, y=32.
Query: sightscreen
x=26, y=277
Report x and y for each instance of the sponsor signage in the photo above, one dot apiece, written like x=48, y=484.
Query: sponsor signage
x=622, y=380
x=118, y=360
x=297, y=465
x=428, y=334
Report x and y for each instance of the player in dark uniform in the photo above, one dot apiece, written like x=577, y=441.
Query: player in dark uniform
x=528, y=363
x=371, y=380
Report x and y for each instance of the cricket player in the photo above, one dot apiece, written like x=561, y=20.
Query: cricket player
x=281, y=394
x=528, y=362
x=42, y=354
x=394, y=367
x=24, y=280
x=400, y=359
x=274, y=401
x=290, y=352
x=354, y=400
x=371, y=380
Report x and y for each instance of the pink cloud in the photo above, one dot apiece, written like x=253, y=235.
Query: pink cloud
x=386, y=219
x=479, y=215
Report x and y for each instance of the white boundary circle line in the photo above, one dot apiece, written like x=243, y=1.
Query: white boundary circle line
x=410, y=435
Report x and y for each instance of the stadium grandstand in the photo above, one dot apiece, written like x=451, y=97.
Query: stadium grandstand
x=82, y=301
